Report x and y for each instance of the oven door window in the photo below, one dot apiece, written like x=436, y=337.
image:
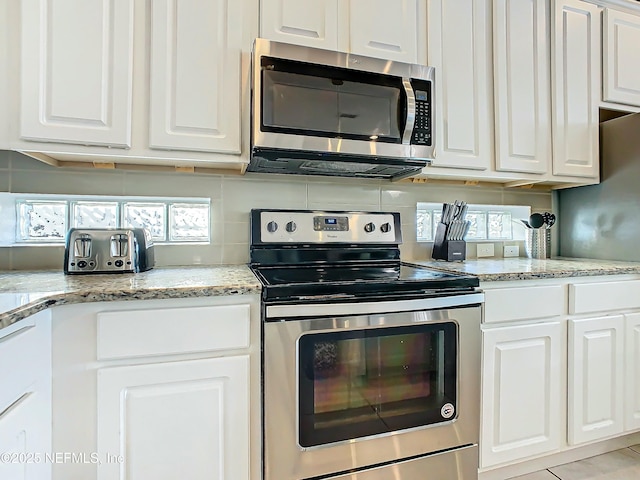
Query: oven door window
x=360, y=383
x=305, y=99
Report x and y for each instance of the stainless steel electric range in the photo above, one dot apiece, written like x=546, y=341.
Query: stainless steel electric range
x=371, y=367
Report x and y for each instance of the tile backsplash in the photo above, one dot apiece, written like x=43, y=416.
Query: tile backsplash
x=232, y=197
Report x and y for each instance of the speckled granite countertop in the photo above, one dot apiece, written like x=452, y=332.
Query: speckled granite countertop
x=25, y=293
x=490, y=270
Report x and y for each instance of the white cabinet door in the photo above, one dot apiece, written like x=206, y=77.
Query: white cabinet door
x=195, y=75
x=384, y=29
x=575, y=87
x=522, y=88
x=25, y=439
x=632, y=372
x=522, y=392
x=595, y=378
x=187, y=419
x=76, y=78
x=621, y=56
x=313, y=23
x=459, y=39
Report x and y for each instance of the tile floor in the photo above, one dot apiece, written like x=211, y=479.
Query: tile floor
x=621, y=464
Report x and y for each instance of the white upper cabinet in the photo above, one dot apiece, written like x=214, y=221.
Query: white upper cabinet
x=384, y=29
x=522, y=85
x=621, y=58
x=162, y=82
x=459, y=39
x=195, y=75
x=76, y=77
x=313, y=23
x=575, y=70
x=375, y=28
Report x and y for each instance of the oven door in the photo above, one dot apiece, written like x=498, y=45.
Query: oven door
x=346, y=392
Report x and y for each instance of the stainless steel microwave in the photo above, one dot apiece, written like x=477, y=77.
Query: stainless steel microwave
x=319, y=112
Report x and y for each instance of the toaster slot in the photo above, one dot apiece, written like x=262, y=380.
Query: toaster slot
x=119, y=245
x=82, y=246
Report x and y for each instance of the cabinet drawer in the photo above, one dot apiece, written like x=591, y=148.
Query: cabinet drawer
x=20, y=363
x=509, y=304
x=136, y=333
x=604, y=296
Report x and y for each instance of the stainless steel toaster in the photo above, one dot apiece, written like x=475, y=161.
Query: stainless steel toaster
x=106, y=250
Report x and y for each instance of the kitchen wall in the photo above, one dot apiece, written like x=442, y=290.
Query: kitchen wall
x=232, y=197
x=602, y=221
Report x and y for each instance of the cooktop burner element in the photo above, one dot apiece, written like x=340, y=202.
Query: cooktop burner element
x=299, y=255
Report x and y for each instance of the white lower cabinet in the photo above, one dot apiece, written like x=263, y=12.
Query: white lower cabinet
x=632, y=372
x=560, y=371
x=175, y=420
x=158, y=389
x=522, y=391
x=596, y=368
x=25, y=399
x=25, y=438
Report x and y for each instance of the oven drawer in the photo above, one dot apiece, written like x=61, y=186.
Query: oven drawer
x=459, y=464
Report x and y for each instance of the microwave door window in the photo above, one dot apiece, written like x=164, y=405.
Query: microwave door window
x=330, y=107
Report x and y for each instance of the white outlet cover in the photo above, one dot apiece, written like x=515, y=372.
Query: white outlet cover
x=511, y=251
x=485, y=250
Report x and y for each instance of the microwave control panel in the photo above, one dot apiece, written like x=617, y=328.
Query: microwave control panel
x=422, y=125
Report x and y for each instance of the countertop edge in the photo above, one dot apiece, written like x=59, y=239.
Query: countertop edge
x=10, y=317
x=503, y=277
x=549, y=271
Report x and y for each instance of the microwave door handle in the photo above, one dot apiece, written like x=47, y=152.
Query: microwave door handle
x=411, y=111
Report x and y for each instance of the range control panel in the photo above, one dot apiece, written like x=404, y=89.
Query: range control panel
x=306, y=226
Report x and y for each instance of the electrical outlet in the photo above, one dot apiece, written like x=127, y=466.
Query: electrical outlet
x=511, y=251
x=485, y=250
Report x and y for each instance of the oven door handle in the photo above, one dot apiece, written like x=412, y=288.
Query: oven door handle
x=363, y=308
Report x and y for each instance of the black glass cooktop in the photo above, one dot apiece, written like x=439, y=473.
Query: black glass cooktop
x=356, y=281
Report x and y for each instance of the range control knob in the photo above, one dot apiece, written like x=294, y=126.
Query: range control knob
x=369, y=227
x=385, y=227
x=272, y=226
x=290, y=227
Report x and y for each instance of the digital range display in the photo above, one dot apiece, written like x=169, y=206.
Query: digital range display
x=420, y=95
x=330, y=224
